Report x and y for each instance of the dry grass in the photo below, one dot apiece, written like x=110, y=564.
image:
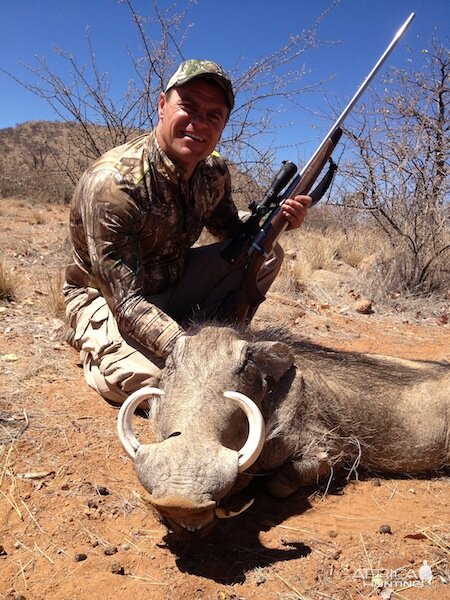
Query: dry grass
x=8, y=483
x=352, y=249
x=306, y=252
x=8, y=282
x=319, y=261
x=37, y=218
x=52, y=297
x=327, y=249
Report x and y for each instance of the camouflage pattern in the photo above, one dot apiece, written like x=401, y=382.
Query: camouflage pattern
x=133, y=219
x=189, y=69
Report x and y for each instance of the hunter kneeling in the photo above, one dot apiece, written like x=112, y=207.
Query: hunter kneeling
x=136, y=213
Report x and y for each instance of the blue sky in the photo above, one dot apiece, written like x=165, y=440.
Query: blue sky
x=224, y=30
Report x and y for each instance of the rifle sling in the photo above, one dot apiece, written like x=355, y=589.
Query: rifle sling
x=321, y=188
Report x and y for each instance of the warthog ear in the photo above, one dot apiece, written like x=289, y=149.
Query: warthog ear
x=176, y=355
x=272, y=358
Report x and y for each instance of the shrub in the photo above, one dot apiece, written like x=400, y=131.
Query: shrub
x=8, y=282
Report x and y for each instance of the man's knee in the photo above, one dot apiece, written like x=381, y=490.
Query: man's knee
x=116, y=379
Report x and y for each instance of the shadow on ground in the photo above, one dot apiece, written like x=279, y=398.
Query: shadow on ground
x=234, y=548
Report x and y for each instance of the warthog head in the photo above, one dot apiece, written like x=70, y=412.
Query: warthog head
x=209, y=425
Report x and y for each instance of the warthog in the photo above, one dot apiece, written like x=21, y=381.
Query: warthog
x=307, y=410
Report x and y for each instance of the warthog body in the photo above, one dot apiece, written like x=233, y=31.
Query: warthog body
x=322, y=409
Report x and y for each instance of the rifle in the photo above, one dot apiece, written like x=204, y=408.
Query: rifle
x=258, y=234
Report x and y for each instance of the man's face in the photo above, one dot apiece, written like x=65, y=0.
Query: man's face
x=191, y=120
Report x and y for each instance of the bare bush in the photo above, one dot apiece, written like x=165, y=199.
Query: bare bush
x=399, y=172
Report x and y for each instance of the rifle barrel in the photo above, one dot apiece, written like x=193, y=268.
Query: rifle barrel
x=361, y=89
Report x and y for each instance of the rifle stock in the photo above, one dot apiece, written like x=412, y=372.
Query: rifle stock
x=245, y=301
x=309, y=176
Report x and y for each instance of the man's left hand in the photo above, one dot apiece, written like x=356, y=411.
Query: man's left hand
x=294, y=210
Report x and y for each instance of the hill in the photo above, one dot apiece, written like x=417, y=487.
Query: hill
x=34, y=161
x=42, y=161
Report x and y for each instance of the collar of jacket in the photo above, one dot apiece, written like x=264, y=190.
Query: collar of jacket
x=163, y=163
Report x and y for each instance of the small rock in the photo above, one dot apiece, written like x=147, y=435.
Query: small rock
x=299, y=317
x=102, y=490
x=65, y=486
x=376, y=482
x=260, y=579
x=117, y=569
x=385, y=529
x=80, y=557
x=332, y=533
x=336, y=555
x=125, y=546
x=363, y=306
x=92, y=503
x=3, y=551
x=442, y=320
x=110, y=550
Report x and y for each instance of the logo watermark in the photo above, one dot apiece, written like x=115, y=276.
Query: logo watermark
x=395, y=578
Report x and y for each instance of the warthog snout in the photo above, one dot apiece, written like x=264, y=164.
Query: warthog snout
x=157, y=463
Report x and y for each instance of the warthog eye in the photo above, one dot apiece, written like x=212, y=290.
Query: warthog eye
x=242, y=367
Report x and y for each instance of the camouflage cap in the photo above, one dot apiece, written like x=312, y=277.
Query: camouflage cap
x=189, y=69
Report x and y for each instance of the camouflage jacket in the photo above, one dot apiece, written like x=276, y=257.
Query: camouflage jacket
x=133, y=219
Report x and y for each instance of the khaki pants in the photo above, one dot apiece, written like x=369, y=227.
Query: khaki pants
x=114, y=364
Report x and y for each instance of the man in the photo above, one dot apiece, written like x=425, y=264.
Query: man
x=136, y=213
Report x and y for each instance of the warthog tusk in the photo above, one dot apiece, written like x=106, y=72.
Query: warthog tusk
x=252, y=448
x=125, y=417
x=224, y=513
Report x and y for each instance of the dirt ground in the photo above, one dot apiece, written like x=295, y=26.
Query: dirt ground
x=72, y=526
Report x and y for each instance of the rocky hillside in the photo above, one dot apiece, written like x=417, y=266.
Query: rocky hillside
x=42, y=160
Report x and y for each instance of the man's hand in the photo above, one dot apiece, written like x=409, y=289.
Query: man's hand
x=294, y=210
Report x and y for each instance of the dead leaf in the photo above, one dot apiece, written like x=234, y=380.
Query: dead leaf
x=415, y=536
x=9, y=357
x=35, y=475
